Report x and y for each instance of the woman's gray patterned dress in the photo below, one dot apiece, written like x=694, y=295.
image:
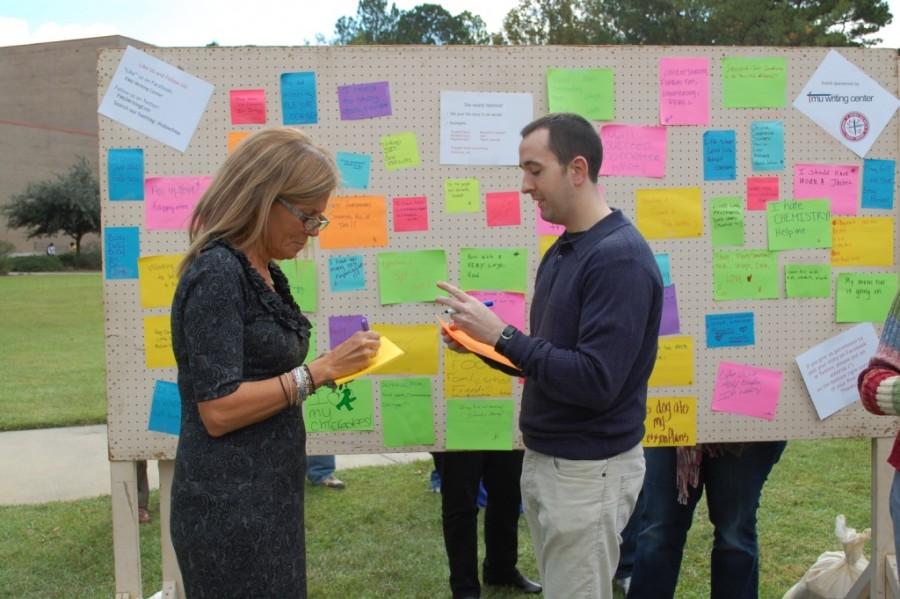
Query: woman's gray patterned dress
x=237, y=500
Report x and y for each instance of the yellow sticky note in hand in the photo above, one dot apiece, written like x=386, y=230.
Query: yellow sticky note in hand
x=387, y=352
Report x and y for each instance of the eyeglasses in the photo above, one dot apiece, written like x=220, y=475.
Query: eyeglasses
x=311, y=224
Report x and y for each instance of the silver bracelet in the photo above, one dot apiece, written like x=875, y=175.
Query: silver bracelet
x=302, y=382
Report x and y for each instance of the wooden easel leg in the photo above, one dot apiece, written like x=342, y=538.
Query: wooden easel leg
x=126, y=538
x=173, y=587
x=882, y=528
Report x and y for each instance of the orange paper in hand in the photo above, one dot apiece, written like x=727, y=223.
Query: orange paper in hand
x=482, y=349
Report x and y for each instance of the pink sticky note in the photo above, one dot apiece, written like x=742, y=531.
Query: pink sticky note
x=248, y=106
x=684, y=91
x=510, y=307
x=169, y=201
x=547, y=228
x=760, y=191
x=836, y=182
x=410, y=214
x=503, y=209
x=633, y=151
x=747, y=390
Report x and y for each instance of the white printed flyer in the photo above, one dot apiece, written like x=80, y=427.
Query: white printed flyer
x=851, y=106
x=156, y=99
x=483, y=127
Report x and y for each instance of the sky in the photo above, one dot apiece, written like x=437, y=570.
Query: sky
x=228, y=22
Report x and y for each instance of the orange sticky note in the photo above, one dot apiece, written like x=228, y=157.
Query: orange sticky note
x=482, y=349
x=356, y=222
x=235, y=138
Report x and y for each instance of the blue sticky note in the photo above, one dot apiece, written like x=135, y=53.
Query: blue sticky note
x=767, y=146
x=878, y=184
x=121, y=248
x=719, y=156
x=730, y=330
x=665, y=268
x=165, y=411
x=125, y=174
x=347, y=273
x=298, y=98
x=354, y=169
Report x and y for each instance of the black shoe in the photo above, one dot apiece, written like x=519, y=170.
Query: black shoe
x=517, y=581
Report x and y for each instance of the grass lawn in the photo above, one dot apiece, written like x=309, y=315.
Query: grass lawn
x=53, y=367
x=382, y=536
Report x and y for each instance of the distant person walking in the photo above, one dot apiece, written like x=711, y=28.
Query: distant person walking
x=51, y=249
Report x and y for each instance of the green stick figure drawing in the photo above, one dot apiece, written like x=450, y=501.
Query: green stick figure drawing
x=347, y=399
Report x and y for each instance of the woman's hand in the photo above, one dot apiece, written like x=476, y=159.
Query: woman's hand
x=352, y=355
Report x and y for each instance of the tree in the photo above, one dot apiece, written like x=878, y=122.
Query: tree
x=432, y=24
x=698, y=22
x=69, y=204
x=537, y=22
x=375, y=23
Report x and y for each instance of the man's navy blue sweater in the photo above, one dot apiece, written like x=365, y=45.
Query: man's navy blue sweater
x=595, y=319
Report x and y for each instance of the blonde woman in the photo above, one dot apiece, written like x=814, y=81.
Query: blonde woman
x=240, y=342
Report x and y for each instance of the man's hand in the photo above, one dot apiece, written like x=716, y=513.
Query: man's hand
x=471, y=316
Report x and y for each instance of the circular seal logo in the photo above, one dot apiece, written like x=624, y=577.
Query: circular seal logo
x=854, y=126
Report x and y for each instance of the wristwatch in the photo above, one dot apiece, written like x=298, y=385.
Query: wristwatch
x=505, y=335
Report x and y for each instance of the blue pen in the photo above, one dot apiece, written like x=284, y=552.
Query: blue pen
x=487, y=303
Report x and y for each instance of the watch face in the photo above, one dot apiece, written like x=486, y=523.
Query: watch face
x=508, y=332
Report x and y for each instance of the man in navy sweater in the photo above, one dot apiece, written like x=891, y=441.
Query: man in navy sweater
x=595, y=317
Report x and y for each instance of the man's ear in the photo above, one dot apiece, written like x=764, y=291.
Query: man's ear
x=578, y=168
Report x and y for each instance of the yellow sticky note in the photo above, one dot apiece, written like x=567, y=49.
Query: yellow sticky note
x=158, y=341
x=400, y=151
x=235, y=138
x=387, y=352
x=544, y=243
x=462, y=195
x=674, y=362
x=420, y=343
x=157, y=278
x=670, y=421
x=862, y=241
x=670, y=213
x=465, y=375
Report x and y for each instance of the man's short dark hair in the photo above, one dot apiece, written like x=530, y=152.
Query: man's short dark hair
x=570, y=136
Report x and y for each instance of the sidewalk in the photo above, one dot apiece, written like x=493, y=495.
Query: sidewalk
x=62, y=464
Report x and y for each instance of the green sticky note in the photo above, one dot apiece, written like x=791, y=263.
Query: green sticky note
x=588, y=92
x=406, y=413
x=350, y=407
x=462, y=195
x=794, y=225
x=301, y=276
x=807, y=280
x=313, y=351
x=400, y=151
x=726, y=221
x=864, y=297
x=411, y=276
x=479, y=424
x=493, y=269
x=745, y=274
x=754, y=82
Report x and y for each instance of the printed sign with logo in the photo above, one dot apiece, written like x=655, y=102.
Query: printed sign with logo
x=847, y=103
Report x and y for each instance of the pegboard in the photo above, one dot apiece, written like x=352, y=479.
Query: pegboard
x=416, y=75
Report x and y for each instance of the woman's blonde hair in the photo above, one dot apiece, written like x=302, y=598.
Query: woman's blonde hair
x=272, y=163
